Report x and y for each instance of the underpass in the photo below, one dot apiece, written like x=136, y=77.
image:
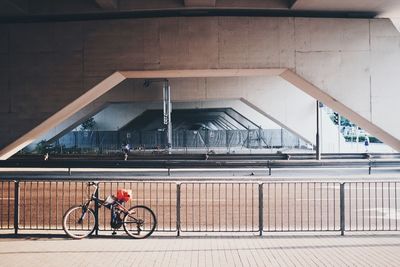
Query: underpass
x=261, y=133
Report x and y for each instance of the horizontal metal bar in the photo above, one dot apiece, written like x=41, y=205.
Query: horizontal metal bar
x=239, y=156
x=303, y=231
x=219, y=231
x=190, y=164
x=372, y=230
x=184, y=180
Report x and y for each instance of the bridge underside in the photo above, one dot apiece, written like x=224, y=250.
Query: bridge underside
x=276, y=66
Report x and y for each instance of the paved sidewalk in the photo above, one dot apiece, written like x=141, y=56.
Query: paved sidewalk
x=356, y=250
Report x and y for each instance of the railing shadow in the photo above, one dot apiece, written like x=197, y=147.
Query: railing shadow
x=47, y=236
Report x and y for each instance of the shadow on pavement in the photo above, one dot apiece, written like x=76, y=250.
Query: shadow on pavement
x=44, y=236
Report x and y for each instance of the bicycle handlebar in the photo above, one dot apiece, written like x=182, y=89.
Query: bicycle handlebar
x=93, y=184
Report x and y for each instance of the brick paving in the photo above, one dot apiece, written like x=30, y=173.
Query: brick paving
x=326, y=250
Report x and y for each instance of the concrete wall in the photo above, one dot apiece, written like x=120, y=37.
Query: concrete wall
x=44, y=66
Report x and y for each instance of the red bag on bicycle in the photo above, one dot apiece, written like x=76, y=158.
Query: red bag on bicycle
x=124, y=195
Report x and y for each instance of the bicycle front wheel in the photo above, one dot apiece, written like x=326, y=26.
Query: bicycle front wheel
x=140, y=222
x=79, y=222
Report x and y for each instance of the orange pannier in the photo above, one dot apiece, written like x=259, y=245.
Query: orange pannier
x=124, y=195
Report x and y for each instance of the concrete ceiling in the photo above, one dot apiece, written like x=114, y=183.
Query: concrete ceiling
x=12, y=9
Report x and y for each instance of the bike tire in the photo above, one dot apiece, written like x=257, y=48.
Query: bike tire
x=148, y=217
x=85, y=232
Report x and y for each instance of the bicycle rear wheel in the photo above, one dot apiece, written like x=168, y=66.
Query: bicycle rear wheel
x=79, y=222
x=140, y=222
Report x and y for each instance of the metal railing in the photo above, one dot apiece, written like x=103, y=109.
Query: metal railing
x=216, y=162
x=311, y=206
x=219, y=207
x=215, y=206
x=372, y=206
x=7, y=207
x=111, y=141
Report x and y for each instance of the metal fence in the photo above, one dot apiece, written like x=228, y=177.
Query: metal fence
x=372, y=206
x=7, y=206
x=108, y=141
x=219, y=207
x=312, y=206
x=213, y=206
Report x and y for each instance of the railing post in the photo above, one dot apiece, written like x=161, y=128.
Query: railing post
x=178, y=209
x=96, y=210
x=342, y=214
x=269, y=167
x=16, y=207
x=369, y=167
x=260, y=208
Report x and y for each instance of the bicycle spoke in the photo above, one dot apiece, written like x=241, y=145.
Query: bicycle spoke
x=142, y=225
x=79, y=225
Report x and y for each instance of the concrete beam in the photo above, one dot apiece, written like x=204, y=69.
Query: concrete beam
x=199, y=3
x=342, y=109
x=260, y=109
x=396, y=22
x=73, y=122
x=107, y=4
x=66, y=112
x=291, y=3
x=201, y=73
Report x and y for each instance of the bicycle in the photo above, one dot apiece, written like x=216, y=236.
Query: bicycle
x=80, y=221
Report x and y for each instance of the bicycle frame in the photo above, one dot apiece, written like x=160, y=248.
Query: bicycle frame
x=100, y=201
